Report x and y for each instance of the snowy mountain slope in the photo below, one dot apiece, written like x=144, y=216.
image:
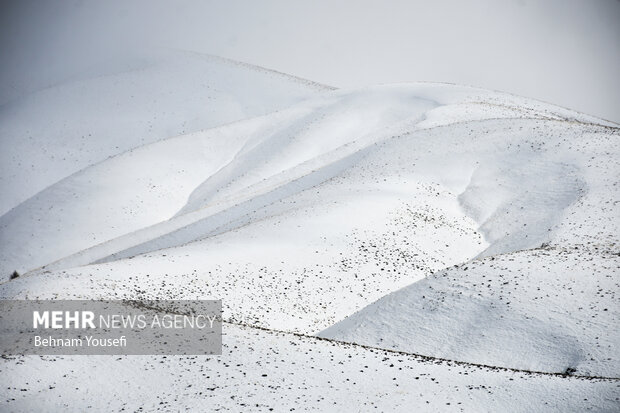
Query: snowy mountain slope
x=278, y=138
x=133, y=190
x=566, y=198
x=297, y=256
x=301, y=218
x=389, y=218
x=547, y=309
x=263, y=371
x=48, y=135
x=264, y=160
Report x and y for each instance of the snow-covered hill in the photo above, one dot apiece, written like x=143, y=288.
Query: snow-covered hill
x=549, y=309
x=50, y=134
x=185, y=188
x=430, y=219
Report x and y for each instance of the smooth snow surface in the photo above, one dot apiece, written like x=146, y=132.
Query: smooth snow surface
x=55, y=132
x=430, y=219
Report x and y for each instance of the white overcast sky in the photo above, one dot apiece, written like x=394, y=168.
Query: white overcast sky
x=565, y=52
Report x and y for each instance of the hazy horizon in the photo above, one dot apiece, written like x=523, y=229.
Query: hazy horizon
x=562, y=52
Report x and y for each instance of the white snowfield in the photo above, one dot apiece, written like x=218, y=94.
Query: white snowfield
x=463, y=242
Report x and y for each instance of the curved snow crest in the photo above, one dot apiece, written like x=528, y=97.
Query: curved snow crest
x=544, y=186
x=345, y=118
